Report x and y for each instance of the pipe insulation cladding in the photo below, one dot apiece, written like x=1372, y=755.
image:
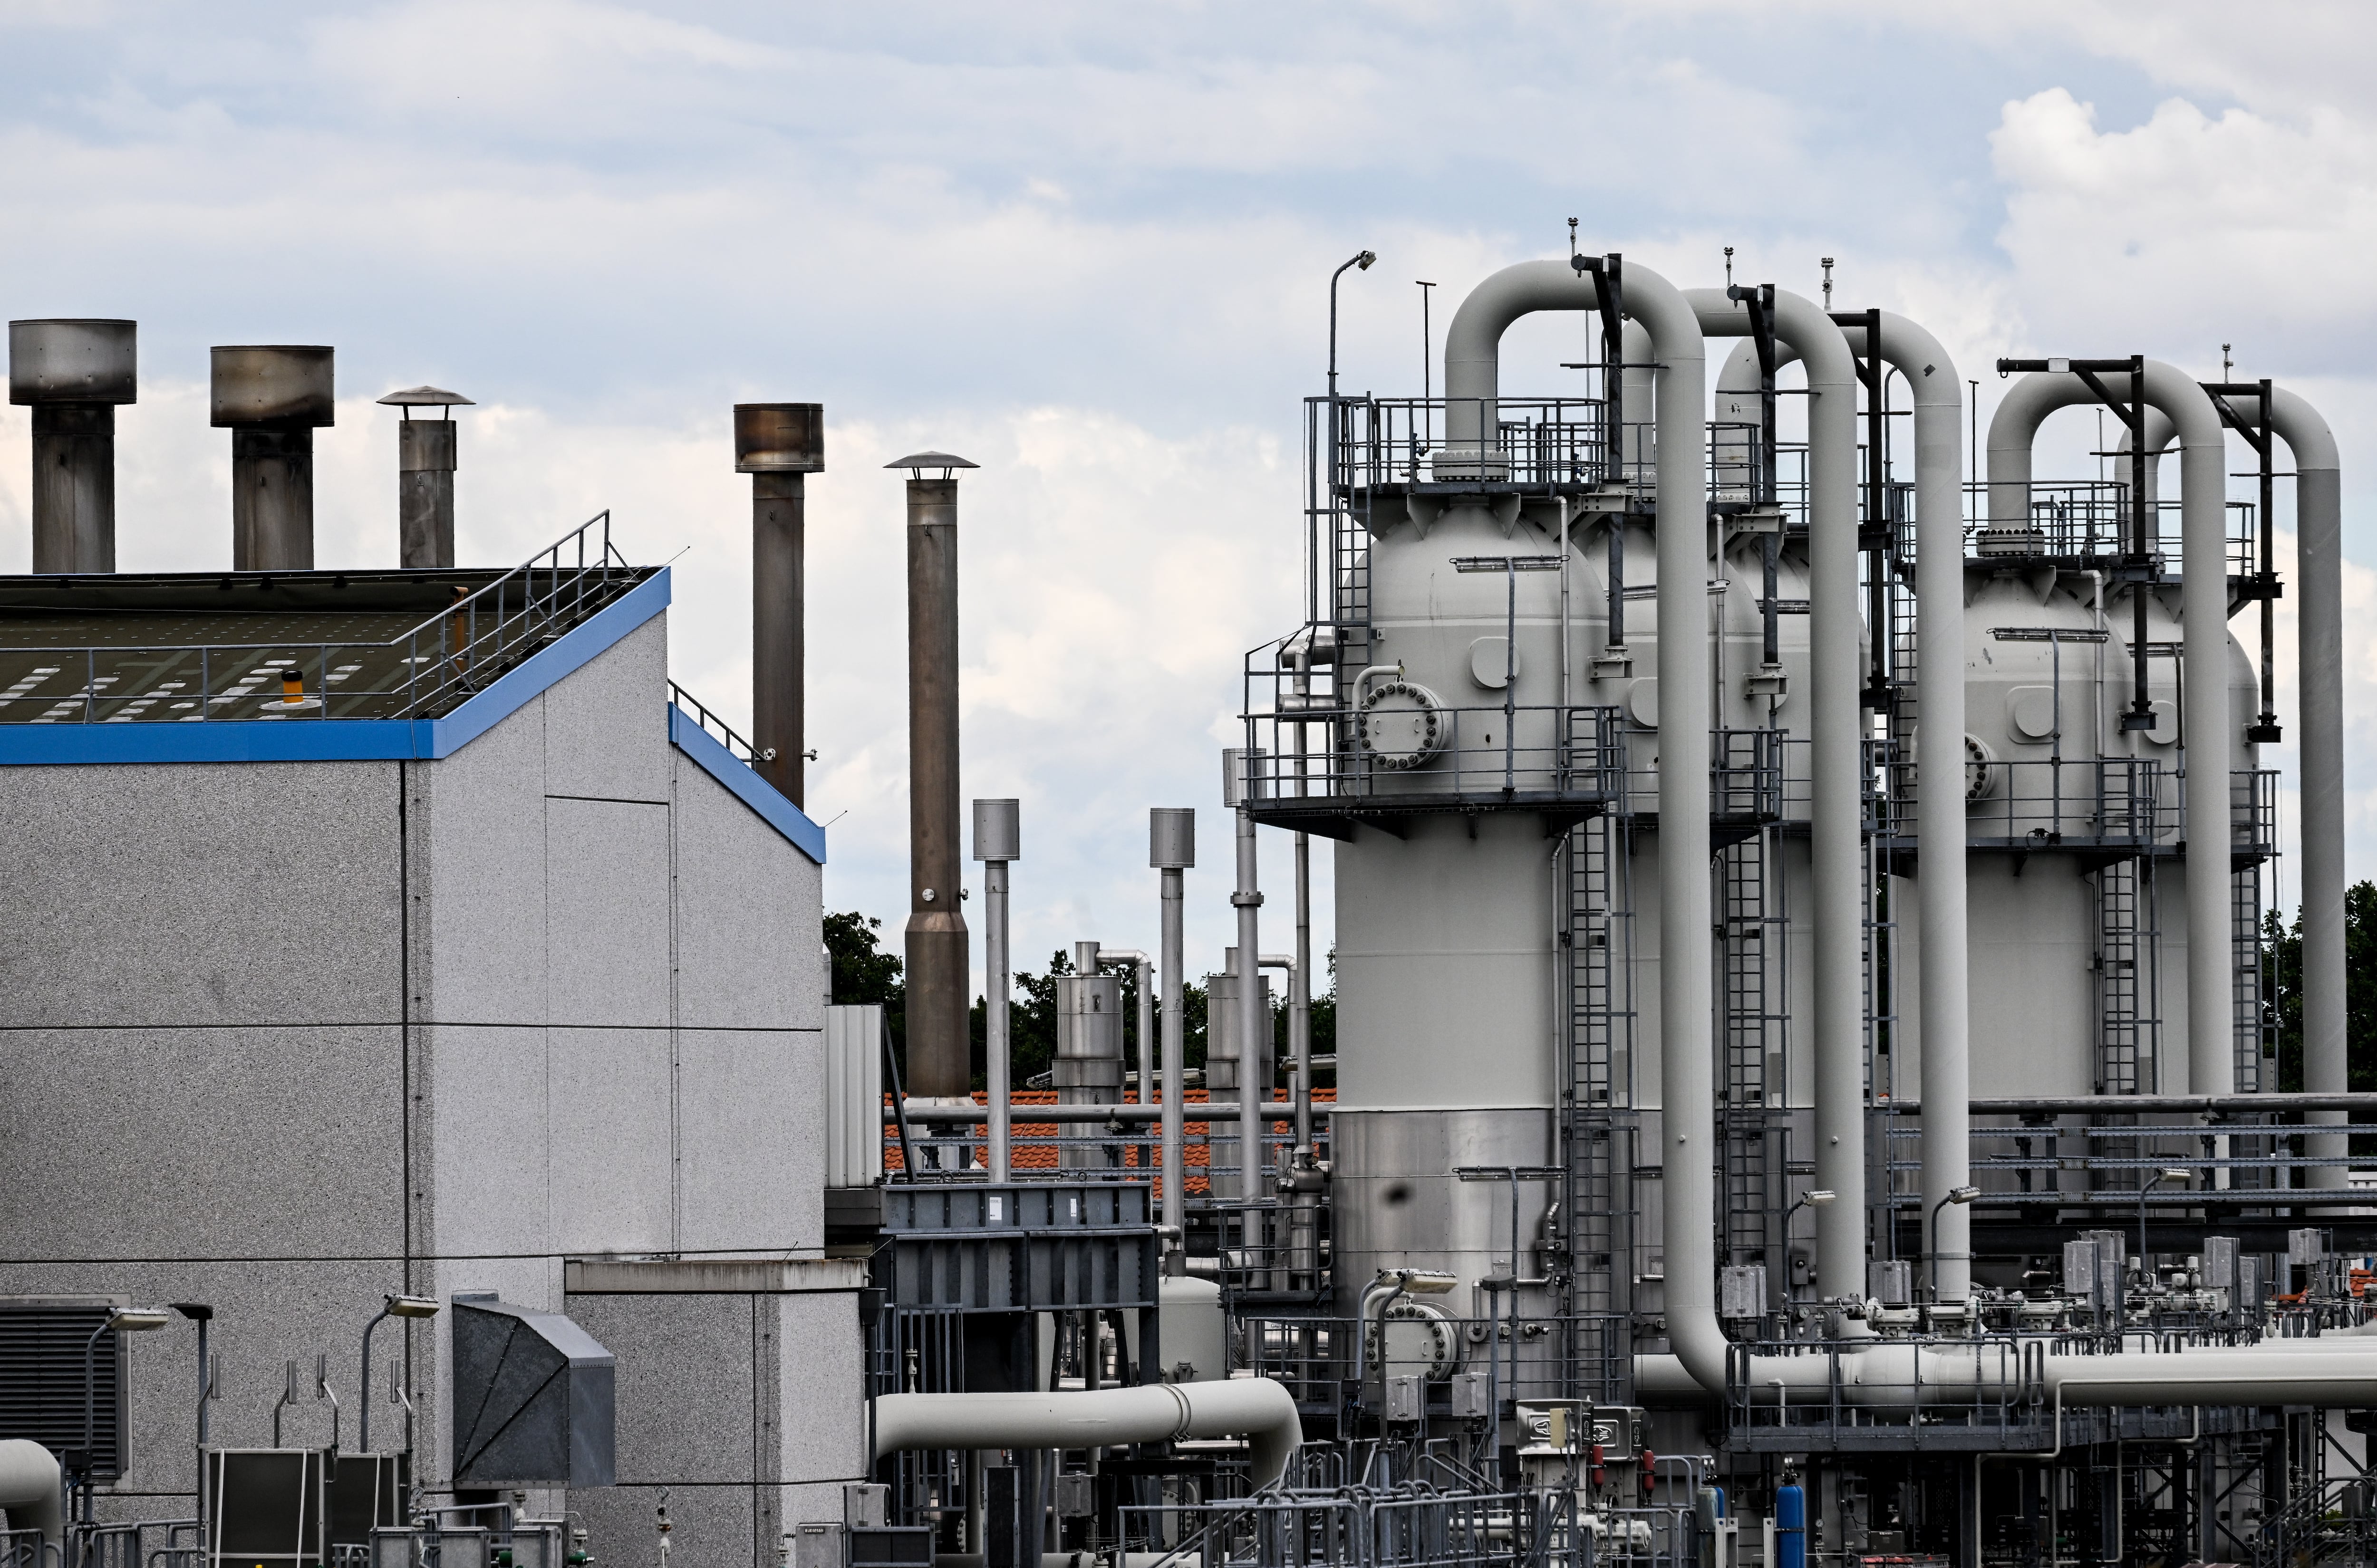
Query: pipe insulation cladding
x=31, y=1492
x=2319, y=673
x=1944, y=1008
x=2209, y=1060
x=1256, y=1409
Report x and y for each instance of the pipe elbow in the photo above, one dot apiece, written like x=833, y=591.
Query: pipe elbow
x=32, y=1489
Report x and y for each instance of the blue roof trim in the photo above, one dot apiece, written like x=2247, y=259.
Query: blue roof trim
x=711, y=756
x=341, y=740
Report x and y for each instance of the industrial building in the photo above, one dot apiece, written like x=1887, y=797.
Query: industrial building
x=1805, y=1086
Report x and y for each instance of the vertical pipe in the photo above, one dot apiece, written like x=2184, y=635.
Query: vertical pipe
x=1254, y=1030
x=998, y=840
x=1299, y=993
x=73, y=373
x=1171, y=849
x=424, y=494
x=780, y=444
x=272, y=399
x=2319, y=627
x=936, y=934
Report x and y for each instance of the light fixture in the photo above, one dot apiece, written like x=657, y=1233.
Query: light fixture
x=133, y=1319
x=1818, y=1196
x=1963, y=1195
x=411, y=1306
x=1427, y=1281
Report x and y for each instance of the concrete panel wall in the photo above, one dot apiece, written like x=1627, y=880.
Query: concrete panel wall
x=612, y=1176
x=751, y=1155
x=605, y=732
x=180, y=893
x=477, y=870
x=750, y=919
x=607, y=912
x=137, y=1144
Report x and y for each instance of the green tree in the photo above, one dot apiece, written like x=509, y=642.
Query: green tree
x=863, y=973
x=2282, y=950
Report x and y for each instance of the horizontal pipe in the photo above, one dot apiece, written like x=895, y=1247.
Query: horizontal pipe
x=937, y=1110
x=1256, y=1409
x=2155, y=1104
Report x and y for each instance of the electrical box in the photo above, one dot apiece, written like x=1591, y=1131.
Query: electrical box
x=1891, y=1283
x=864, y=1503
x=820, y=1544
x=1076, y=1495
x=1469, y=1396
x=267, y=1507
x=1741, y=1290
x=1406, y=1398
x=890, y=1545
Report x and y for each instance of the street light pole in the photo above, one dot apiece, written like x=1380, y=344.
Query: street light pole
x=1361, y=259
x=397, y=1306
x=2159, y=1177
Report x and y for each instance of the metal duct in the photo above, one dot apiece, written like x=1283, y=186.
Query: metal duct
x=938, y=1064
x=2204, y=617
x=424, y=478
x=1257, y=1408
x=779, y=445
x=272, y=399
x=1836, y=730
x=73, y=373
x=533, y=1397
x=1942, y=961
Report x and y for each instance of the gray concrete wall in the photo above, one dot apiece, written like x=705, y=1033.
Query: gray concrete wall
x=745, y=1412
x=286, y=1036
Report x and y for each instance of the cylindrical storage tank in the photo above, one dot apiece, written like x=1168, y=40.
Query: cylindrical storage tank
x=73, y=373
x=1445, y=926
x=272, y=399
x=2079, y=941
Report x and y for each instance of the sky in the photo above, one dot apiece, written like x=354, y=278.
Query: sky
x=1088, y=248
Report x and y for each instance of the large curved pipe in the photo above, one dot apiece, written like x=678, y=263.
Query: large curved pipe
x=2204, y=612
x=1943, y=959
x=29, y=1490
x=1836, y=744
x=2318, y=657
x=1257, y=1408
x=1687, y=1092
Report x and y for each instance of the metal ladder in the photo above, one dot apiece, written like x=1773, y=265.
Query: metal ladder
x=2128, y=994
x=1597, y=1104
x=1752, y=1030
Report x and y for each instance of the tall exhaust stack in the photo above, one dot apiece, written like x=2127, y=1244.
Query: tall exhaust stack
x=425, y=477
x=73, y=373
x=938, y=1054
x=780, y=444
x=272, y=399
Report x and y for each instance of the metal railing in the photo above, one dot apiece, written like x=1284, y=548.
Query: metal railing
x=421, y=672
x=1399, y=741
x=1323, y=1361
x=2036, y=804
x=1534, y=443
x=718, y=729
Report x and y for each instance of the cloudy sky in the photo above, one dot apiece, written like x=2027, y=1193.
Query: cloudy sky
x=1087, y=245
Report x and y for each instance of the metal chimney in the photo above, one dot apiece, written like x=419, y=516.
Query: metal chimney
x=272, y=399
x=425, y=477
x=779, y=445
x=73, y=373
x=938, y=1065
